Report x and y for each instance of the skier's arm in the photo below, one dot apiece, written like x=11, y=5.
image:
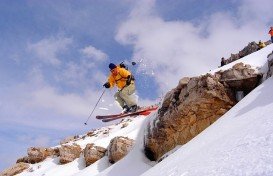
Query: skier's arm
x=111, y=81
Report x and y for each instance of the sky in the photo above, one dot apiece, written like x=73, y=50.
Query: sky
x=54, y=57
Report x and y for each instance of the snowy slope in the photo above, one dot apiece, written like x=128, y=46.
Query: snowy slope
x=239, y=143
x=50, y=166
x=240, y=128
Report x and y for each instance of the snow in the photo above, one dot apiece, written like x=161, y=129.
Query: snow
x=239, y=143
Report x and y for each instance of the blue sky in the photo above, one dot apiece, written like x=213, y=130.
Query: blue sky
x=54, y=57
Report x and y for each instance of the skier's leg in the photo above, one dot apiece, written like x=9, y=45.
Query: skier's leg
x=125, y=95
x=118, y=98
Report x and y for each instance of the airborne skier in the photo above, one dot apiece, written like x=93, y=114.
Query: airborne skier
x=125, y=82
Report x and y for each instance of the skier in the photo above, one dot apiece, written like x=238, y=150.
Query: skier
x=271, y=33
x=125, y=82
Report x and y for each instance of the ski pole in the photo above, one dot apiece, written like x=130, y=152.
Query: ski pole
x=95, y=107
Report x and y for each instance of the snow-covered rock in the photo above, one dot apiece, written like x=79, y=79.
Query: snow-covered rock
x=241, y=77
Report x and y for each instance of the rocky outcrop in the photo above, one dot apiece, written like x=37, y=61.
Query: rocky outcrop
x=38, y=154
x=270, y=65
x=186, y=111
x=93, y=153
x=240, y=77
x=22, y=160
x=16, y=169
x=69, y=153
x=250, y=48
x=119, y=147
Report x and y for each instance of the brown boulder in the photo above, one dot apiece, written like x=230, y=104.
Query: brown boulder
x=36, y=154
x=69, y=153
x=93, y=153
x=119, y=147
x=16, y=169
x=190, y=109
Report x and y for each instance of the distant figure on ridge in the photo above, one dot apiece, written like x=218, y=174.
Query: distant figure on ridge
x=223, y=62
x=271, y=33
x=125, y=82
x=261, y=45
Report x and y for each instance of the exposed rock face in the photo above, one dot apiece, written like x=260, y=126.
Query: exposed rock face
x=22, y=160
x=250, y=48
x=186, y=111
x=119, y=147
x=240, y=77
x=16, y=169
x=38, y=154
x=69, y=153
x=270, y=65
x=93, y=153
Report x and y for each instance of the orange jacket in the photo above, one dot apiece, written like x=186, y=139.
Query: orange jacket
x=120, y=79
x=271, y=32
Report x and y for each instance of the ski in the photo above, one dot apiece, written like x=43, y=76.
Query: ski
x=144, y=112
x=141, y=110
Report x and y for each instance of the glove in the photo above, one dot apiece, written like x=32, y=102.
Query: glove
x=106, y=85
x=122, y=65
x=128, y=81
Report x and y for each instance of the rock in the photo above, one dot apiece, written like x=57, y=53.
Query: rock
x=69, y=153
x=173, y=95
x=36, y=154
x=240, y=78
x=250, y=48
x=192, y=107
x=267, y=42
x=93, y=153
x=123, y=125
x=119, y=147
x=91, y=133
x=16, y=169
x=22, y=160
x=270, y=65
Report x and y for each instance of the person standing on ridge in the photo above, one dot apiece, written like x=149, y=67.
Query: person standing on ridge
x=223, y=62
x=271, y=33
x=261, y=45
x=125, y=82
